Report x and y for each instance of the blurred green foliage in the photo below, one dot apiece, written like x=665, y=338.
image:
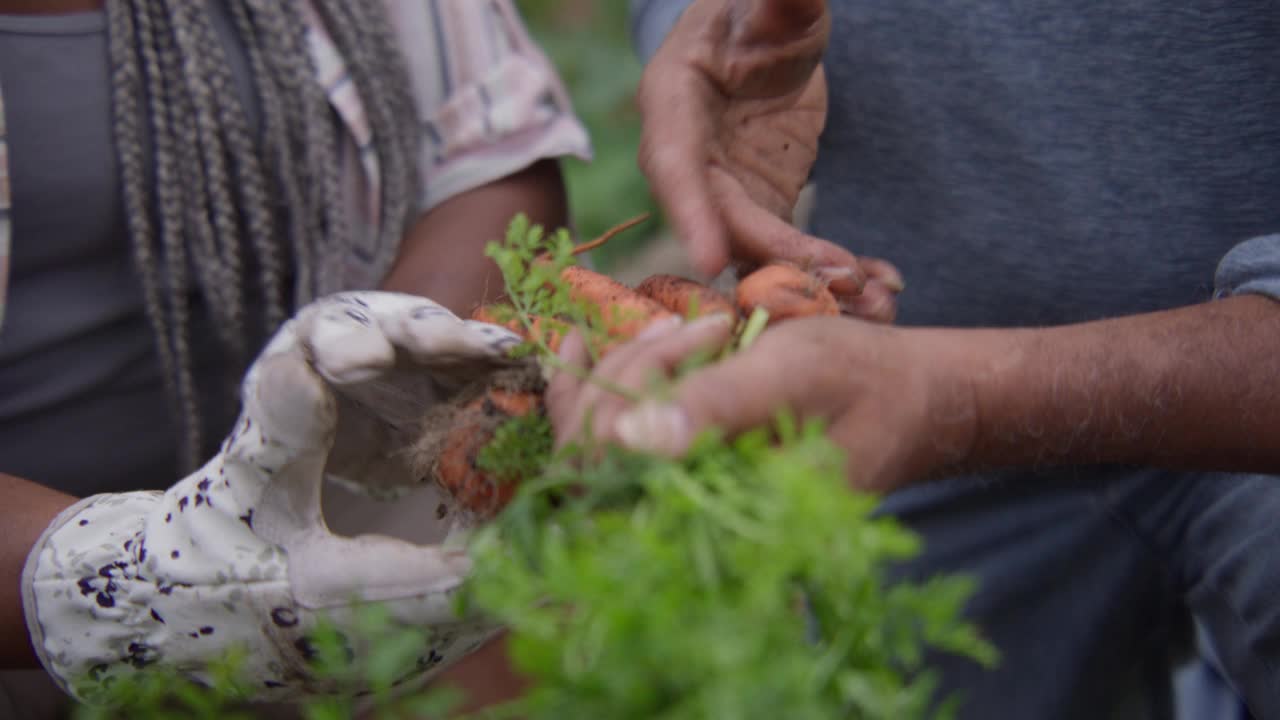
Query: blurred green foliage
x=588, y=42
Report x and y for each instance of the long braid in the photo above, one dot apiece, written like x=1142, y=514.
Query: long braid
x=377, y=69
x=276, y=109
x=201, y=190
x=208, y=193
x=250, y=179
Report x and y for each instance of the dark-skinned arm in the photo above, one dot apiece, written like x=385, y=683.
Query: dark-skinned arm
x=28, y=509
x=1192, y=388
x=443, y=254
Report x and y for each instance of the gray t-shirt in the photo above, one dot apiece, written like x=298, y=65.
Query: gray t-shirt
x=1044, y=162
x=82, y=402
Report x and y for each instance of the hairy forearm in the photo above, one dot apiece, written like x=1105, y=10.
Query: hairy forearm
x=28, y=509
x=443, y=254
x=1193, y=388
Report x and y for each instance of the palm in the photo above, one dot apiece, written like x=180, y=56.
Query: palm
x=732, y=120
x=769, y=145
x=403, y=355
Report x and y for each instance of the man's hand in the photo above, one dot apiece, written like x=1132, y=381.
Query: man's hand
x=884, y=396
x=1185, y=389
x=733, y=105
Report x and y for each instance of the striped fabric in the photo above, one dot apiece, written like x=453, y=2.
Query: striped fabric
x=489, y=102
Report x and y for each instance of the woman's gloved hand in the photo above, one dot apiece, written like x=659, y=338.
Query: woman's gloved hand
x=238, y=554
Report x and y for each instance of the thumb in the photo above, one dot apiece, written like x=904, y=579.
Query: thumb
x=290, y=404
x=328, y=571
x=740, y=393
x=780, y=21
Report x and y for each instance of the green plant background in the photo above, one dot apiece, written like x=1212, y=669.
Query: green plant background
x=589, y=44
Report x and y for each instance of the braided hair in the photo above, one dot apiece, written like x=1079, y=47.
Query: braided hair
x=213, y=209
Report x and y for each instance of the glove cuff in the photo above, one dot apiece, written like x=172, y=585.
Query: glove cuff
x=76, y=584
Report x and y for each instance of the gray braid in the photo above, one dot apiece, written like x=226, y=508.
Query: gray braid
x=207, y=200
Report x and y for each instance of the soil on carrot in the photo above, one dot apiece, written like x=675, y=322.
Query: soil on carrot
x=453, y=434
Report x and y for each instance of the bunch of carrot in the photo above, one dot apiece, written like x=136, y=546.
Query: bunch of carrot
x=782, y=290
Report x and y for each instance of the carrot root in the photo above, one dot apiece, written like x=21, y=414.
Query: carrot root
x=455, y=468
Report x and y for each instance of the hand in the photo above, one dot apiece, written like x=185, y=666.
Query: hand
x=238, y=554
x=887, y=398
x=733, y=104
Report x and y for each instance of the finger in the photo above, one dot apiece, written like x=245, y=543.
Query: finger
x=597, y=393
x=432, y=335
x=761, y=237
x=884, y=272
x=668, y=350
x=657, y=361
x=673, y=157
x=287, y=407
x=327, y=571
x=641, y=363
x=742, y=392
x=778, y=21
x=565, y=385
x=876, y=303
x=344, y=340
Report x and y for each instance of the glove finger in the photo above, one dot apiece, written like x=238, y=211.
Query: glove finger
x=345, y=339
x=425, y=333
x=328, y=571
x=289, y=414
x=432, y=335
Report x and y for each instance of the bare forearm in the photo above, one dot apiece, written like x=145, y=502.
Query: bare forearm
x=1194, y=388
x=443, y=254
x=28, y=509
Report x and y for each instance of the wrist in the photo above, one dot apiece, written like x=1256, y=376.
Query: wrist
x=947, y=366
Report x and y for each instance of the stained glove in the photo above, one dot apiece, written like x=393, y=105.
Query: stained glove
x=238, y=554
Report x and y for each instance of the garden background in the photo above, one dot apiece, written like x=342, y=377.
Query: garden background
x=589, y=44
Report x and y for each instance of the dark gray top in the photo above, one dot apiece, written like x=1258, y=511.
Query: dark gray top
x=1043, y=162
x=82, y=404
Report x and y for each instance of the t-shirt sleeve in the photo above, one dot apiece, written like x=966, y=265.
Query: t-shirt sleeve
x=490, y=102
x=1252, y=267
x=651, y=21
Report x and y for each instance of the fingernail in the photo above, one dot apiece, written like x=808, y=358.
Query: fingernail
x=841, y=278
x=833, y=273
x=713, y=320
x=654, y=427
x=893, y=282
x=660, y=327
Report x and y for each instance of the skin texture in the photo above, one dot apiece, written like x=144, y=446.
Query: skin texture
x=29, y=508
x=443, y=253
x=910, y=404
x=733, y=104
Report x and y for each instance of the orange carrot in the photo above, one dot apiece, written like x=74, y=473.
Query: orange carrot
x=785, y=291
x=681, y=295
x=549, y=331
x=456, y=466
x=624, y=311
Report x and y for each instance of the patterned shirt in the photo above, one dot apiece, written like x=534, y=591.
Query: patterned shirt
x=489, y=101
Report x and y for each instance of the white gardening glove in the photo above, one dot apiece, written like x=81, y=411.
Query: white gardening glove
x=237, y=554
